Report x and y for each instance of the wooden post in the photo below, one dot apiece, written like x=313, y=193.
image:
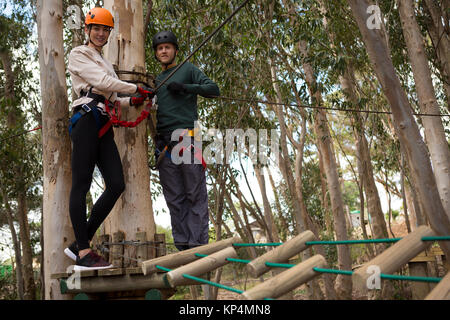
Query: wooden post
x=287, y=280
x=201, y=266
x=117, y=249
x=393, y=258
x=419, y=289
x=442, y=290
x=280, y=254
x=183, y=257
x=142, y=249
x=104, y=248
x=160, y=240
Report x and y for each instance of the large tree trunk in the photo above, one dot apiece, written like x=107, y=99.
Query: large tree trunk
x=27, y=257
x=434, y=130
x=405, y=126
x=58, y=232
x=133, y=211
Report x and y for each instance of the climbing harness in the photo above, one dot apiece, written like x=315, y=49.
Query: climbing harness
x=165, y=152
x=113, y=110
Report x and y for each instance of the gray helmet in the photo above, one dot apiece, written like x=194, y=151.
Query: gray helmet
x=165, y=37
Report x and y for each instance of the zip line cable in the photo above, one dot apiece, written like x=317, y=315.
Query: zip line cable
x=201, y=44
x=324, y=108
x=22, y=133
x=281, y=104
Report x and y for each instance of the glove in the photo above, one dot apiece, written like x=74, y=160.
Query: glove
x=136, y=101
x=176, y=87
x=145, y=92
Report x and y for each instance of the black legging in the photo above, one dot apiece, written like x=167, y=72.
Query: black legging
x=87, y=151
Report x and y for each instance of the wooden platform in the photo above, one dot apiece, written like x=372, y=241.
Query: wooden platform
x=116, y=283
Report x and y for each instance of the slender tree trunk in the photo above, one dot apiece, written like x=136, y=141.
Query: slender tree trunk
x=434, y=130
x=373, y=200
x=285, y=162
x=405, y=125
x=268, y=215
x=58, y=232
x=5, y=58
x=405, y=204
x=133, y=211
x=440, y=37
x=283, y=222
x=16, y=246
x=343, y=284
x=27, y=257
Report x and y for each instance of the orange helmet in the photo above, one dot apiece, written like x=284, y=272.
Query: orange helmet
x=100, y=16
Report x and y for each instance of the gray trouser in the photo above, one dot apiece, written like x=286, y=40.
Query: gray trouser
x=184, y=188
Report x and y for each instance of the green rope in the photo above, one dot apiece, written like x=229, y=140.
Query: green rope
x=436, y=238
x=410, y=278
x=382, y=275
x=200, y=255
x=279, y=265
x=218, y=285
x=353, y=241
x=385, y=240
x=347, y=273
x=162, y=268
x=204, y=281
x=268, y=244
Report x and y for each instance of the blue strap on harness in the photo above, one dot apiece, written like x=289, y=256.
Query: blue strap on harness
x=85, y=108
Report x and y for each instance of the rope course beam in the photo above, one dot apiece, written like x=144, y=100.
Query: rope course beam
x=281, y=254
x=286, y=281
x=213, y=261
x=393, y=258
x=202, y=280
x=186, y=256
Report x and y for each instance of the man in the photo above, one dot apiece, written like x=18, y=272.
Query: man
x=184, y=184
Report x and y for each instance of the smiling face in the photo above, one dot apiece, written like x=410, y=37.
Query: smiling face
x=98, y=35
x=165, y=53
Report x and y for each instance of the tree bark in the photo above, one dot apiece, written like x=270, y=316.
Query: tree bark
x=440, y=38
x=405, y=126
x=58, y=232
x=133, y=211
x=343, y=284
x=285, y=165
x=373, y=199
x=268, y=215
x=434, y=130
x=16, y=246
x=27, y=257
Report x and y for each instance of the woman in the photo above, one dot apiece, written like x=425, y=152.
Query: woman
x=94, y=79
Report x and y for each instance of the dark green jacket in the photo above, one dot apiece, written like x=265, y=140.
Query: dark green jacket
x=179, y=111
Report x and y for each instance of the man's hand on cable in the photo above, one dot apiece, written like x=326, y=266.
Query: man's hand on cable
x=176, y=87
x=143, y=94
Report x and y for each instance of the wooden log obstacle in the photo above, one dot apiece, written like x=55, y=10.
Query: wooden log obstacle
x=126, y=279
x=187, y=267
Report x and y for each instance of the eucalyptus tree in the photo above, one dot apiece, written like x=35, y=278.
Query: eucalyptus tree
x=57, y=227
x=19, y=153
x=404, y=123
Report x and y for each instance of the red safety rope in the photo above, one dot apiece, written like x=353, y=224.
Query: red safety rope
x=116, y=113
